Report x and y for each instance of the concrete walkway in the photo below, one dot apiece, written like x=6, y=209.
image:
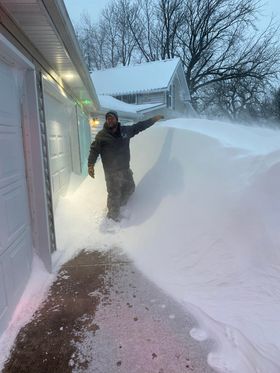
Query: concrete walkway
x=103, y=316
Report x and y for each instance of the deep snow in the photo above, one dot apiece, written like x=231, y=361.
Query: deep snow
x=203, y=224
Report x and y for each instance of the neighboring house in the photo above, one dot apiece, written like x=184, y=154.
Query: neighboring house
x=46, y=95
x=160, y=84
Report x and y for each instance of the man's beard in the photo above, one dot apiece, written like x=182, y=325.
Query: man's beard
x=113, y=127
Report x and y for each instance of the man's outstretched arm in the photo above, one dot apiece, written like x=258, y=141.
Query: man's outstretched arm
x=143, y=125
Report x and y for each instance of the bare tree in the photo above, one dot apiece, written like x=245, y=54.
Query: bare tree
x=218, y=43
x=124, y=12
x=86, y=35
x=115, y=23
x=170, y=17
x=144, y=28
x=271, y=106
x=236, y=99
x=109, y=42
x=155, y=25
x=276, y=104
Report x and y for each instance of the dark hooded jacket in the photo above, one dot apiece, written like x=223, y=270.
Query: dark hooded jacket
x=114, y=147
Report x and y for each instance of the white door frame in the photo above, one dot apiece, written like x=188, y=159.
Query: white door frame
x=32, y=151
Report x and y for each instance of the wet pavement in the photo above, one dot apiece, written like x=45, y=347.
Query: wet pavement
x=103, y=316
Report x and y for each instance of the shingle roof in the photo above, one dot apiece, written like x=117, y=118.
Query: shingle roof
x=145, y=77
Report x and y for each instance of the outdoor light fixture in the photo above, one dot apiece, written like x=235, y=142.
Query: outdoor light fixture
x=68, y=76
x=94, y=122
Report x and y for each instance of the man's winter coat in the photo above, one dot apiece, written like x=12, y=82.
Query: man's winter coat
x=114, y=147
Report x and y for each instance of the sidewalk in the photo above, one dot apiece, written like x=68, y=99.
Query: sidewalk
x=102, y=315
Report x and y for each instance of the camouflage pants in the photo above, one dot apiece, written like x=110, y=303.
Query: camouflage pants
x=120, y=186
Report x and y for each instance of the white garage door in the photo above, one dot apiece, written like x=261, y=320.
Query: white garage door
x=58, y=119
x=15, y=230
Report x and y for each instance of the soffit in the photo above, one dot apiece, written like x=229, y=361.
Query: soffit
x=48, y=27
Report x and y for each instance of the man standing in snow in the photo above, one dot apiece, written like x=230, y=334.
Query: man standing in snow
x=112, y=144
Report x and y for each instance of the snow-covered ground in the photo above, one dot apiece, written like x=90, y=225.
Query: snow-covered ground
x=203, y=224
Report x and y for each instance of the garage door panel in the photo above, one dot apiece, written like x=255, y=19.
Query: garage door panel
x=55, y=183
x=58, y=129
x=64, y=176
x=62, y=149
x=53, y=147
x=54, y=115
x=15, y=231
x=60, y=180
x=10, y=146
x=9, y=112
x=14, y=218
x=16, y=202
x=19, y=259
x=16, y=264
x=62, y=163
x=58, y=152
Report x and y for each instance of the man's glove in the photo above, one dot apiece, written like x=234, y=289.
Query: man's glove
x=91, y=170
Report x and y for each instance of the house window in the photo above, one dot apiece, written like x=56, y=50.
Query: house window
x=129, y=99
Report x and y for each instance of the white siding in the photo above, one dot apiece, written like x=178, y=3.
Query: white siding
x=151, y=98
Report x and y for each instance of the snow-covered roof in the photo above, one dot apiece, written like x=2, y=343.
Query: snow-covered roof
x=144, y=77
x=111, y=103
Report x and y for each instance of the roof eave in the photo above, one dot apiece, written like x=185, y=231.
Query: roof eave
x=156, y=107
x=62, y=23
x=146, y=91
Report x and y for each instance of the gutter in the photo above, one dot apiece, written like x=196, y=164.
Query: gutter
x=144, y=111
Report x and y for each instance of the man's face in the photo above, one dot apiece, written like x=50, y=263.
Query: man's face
x=111, y=121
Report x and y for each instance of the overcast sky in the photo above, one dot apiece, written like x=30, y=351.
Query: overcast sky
x=94, y=7
x=77, y=7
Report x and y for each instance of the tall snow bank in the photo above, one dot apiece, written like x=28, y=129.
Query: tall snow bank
x=208, y=213
x=203, y=224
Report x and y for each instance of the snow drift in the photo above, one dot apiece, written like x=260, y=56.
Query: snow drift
x=203, y=224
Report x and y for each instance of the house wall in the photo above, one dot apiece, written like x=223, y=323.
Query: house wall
x=151, y=98
x=178, y=96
